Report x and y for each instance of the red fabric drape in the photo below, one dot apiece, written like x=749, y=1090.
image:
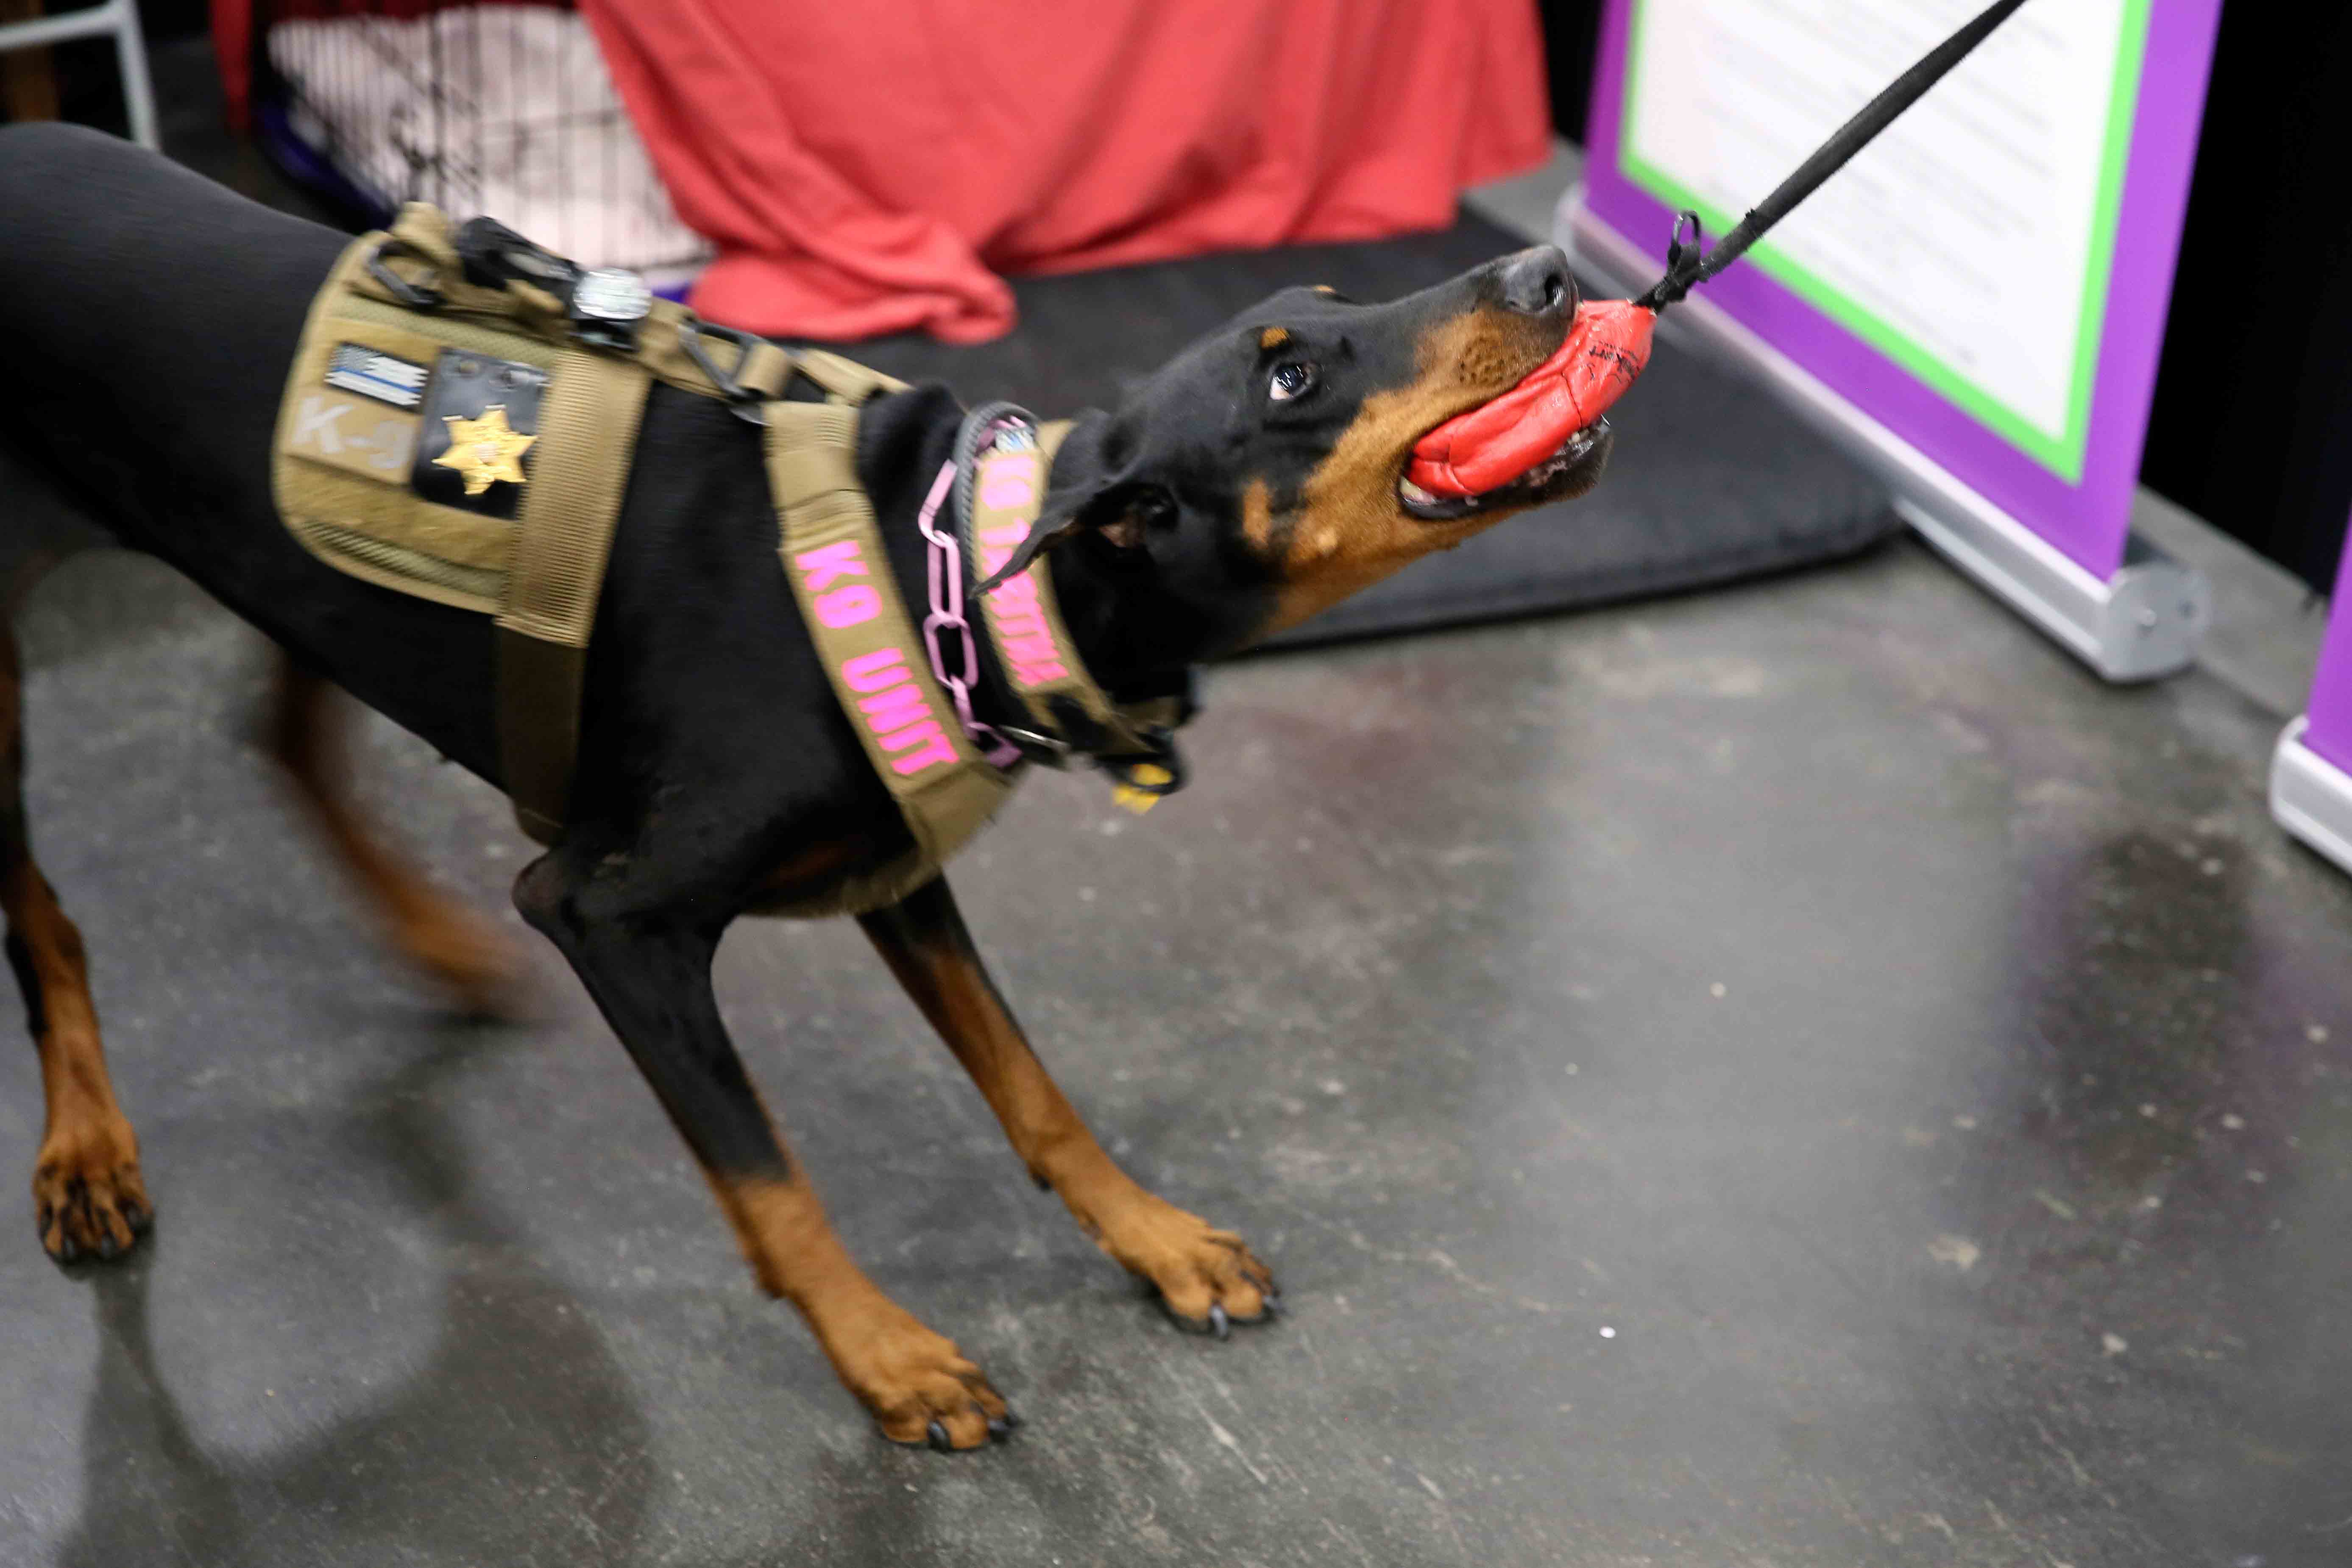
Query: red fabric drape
x=871, y=166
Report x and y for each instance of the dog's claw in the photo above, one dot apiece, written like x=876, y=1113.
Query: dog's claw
x=999, y=1427
x=939, y=1436
x=1012, y=1418
x=1219, y=1324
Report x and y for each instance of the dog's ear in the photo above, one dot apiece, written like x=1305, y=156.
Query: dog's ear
x=1120, y=510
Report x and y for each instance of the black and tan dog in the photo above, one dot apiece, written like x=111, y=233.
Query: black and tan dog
x=1253, y=480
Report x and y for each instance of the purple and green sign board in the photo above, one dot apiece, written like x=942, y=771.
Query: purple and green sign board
x=1976, y=302
x=1988, y=281
x=2310, y=775
x=2328, y=716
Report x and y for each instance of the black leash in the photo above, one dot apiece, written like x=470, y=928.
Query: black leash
x=1686, y=268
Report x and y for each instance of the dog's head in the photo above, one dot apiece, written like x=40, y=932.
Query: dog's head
x=1260, y=475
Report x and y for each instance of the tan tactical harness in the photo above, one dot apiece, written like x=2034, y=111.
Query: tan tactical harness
x=341, y=466
x=352, y=428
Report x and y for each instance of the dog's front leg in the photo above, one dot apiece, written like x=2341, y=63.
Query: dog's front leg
x=1207, y=1277
x=649, y=971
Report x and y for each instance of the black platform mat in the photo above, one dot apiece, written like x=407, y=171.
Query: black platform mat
x=1711, y=481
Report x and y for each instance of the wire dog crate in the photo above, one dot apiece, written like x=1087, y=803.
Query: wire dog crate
x=505, y=109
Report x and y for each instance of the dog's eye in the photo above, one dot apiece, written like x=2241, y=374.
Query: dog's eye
x=1291, y=380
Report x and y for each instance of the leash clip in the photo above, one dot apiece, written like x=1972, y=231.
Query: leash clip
x=741, y=398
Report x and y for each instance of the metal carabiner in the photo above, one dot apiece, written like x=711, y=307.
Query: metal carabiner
x=416, y=296
x=740, y=398
x=1050, y=750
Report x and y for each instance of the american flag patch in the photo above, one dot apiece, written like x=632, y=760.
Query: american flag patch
x=374, y=373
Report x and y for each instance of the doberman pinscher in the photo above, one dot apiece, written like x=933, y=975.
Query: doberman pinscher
x=1257, y=478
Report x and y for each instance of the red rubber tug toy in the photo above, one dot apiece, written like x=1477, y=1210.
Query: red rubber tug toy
x=1608, y=345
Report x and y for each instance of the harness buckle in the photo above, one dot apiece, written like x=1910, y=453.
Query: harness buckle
x=605, y=306
x=745, y=402
x=416, y=296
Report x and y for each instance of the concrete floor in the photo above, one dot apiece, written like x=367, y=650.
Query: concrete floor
x=1802, y=1075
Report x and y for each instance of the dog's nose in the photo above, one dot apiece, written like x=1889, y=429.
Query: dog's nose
x=1537, y=282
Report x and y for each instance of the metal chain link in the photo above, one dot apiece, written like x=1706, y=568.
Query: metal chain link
x=945, y=576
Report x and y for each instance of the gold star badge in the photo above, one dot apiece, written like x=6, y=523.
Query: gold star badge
x=485, y=450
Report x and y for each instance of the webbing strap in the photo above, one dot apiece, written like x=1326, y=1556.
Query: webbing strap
x=421, y=254
x=412, y=280
x=588, y=433
x=1041, y=662
x=833, y=556
x=844, y=380
x=763, y=367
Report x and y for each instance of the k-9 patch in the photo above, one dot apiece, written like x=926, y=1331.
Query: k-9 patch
x=477, y=424
x=357, y=435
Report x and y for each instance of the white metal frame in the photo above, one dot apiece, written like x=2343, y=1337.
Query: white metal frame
x=120, y=18
x=2311, y=797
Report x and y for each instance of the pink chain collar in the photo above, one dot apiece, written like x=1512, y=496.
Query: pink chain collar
x=946, y=616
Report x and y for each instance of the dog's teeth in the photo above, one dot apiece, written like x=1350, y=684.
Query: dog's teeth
x=1414, y=493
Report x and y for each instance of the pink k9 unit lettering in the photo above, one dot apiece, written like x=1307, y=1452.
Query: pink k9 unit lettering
x=895, y=710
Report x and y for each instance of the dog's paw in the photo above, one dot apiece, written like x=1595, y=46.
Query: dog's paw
x=1207, y=1279
x=473, y=962
x=919, y=1387
x=87, y=1198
